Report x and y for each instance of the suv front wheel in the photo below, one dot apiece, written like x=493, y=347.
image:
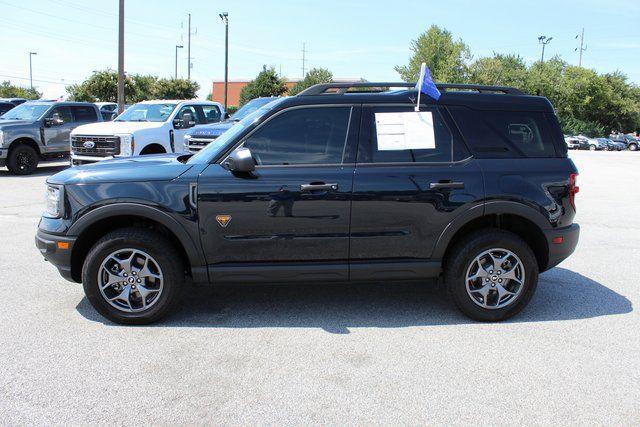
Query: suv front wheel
x=491, y=275
x=133, y=276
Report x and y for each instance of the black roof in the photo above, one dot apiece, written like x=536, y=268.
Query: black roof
x=472, y=96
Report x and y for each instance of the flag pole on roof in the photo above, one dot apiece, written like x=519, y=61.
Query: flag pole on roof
x=426, y=85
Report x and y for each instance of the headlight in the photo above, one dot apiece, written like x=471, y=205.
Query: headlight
x=127, y=144
x=53, y=202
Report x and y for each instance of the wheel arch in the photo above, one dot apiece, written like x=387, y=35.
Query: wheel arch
x=95, y=224
x=153, y=148
x=515, y=217
x=26, y=140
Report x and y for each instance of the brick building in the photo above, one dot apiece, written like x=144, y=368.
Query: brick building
x=233, y=91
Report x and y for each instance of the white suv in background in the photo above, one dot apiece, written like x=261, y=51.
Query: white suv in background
x=149, y=127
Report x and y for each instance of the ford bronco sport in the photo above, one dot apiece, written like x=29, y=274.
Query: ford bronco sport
x=310, y=189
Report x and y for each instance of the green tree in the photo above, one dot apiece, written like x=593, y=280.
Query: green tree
x=267, y=83
x=499, y=70
x=103, y=86
x=313, y=77
x=175, y=89
x=7, y=90
x=446, y=58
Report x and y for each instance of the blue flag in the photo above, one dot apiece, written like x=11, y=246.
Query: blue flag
x=425, y=83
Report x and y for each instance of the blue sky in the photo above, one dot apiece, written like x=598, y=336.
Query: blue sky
x=352, y=38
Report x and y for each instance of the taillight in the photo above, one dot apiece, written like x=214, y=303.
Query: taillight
x=573, y=189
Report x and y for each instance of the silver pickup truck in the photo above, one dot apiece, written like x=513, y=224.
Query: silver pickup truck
x=39, y=130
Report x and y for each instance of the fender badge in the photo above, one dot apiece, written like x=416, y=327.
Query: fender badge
x=223, y=220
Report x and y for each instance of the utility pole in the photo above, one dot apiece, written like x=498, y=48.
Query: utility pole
x=224, y=16
x=31, y=69
x=304, y=59
x=544, y=40
x=582, y=46
x=178, y=46
x=189, y=49
x=121, y=57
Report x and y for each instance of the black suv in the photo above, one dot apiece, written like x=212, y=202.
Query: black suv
x=312, y=189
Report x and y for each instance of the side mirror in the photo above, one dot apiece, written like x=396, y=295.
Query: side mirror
x=240, y=160
x=187, y=120
x=226, y=116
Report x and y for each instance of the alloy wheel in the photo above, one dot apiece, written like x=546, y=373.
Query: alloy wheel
x=495, y=278
x=130, y=280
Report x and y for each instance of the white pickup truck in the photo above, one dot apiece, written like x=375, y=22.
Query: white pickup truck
x=148, y=127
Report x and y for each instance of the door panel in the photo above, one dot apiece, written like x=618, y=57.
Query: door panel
x=404, y=199
x=56, y=137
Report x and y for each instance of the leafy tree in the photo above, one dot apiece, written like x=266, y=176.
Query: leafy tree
x=7, y=90
x=175, y=89
x=313, y=77
x=446, y=58
x=103, y=86
x=499, y=70
x=267, y=83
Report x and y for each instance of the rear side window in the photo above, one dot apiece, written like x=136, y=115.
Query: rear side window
x=504, y=134
x=447, y=148
x=84, y=114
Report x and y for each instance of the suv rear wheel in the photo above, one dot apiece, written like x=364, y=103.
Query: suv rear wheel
x=133, y=276
x=22, y=160
x=491, y=275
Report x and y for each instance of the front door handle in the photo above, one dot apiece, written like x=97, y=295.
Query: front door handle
x=318, y=187
x=446, y=184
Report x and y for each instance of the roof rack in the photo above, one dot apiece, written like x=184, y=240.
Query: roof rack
x=342, y=88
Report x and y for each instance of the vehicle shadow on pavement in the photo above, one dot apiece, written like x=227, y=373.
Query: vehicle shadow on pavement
x=44, y=170
x=561, y=295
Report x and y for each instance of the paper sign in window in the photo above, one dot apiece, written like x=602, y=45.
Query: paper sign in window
x=405, y=131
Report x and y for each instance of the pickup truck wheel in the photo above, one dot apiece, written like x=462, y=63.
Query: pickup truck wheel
x=22, y=160
x=133, y=276
x=491, y=275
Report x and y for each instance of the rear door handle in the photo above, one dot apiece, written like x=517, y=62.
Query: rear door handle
x=446, y=184
x=319, y=187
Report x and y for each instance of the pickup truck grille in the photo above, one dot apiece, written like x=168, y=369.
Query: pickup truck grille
x=103, y=146
x=197, y=144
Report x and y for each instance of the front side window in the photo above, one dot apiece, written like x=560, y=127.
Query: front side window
x=84, y=114
x=371, y=150
x=147, y=113
x=189, y=109
x=63, y=112
x=303, y=136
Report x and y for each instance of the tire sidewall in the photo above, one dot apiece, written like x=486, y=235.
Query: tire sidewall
x=12, y=161
x=167, y=261
x=467, y=252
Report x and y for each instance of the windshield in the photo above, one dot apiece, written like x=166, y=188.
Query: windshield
x=220, y=143
x=249, y=108
x=26, y=112
x=147, y=113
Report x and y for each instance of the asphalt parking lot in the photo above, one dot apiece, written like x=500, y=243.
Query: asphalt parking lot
x=367, y=354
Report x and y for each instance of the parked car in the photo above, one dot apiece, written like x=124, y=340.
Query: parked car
x=149, y=127
x=200, y=137
x=5, y=106
x=572, y=142
x=35, y=131
x=322, y=187
x=630, y=142
x=14, y=101
x=594, y=144
x=109, y=110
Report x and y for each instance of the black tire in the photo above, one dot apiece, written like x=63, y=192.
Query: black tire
x=592, y=147
x=22, y=160
x=154, y=244
x=460, y=259
x=633, y=147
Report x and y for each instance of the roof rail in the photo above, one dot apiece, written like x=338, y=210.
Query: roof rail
x=342, y=88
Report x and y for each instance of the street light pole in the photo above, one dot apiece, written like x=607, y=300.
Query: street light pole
x=31, y=69
x=178, y=46
x=121, y=57
x=544, y=40
x=225, y=18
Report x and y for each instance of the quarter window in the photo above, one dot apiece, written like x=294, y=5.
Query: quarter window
x=304, y=136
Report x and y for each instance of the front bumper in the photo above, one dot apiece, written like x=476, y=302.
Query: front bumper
x=558, y=252
x=57, y=250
